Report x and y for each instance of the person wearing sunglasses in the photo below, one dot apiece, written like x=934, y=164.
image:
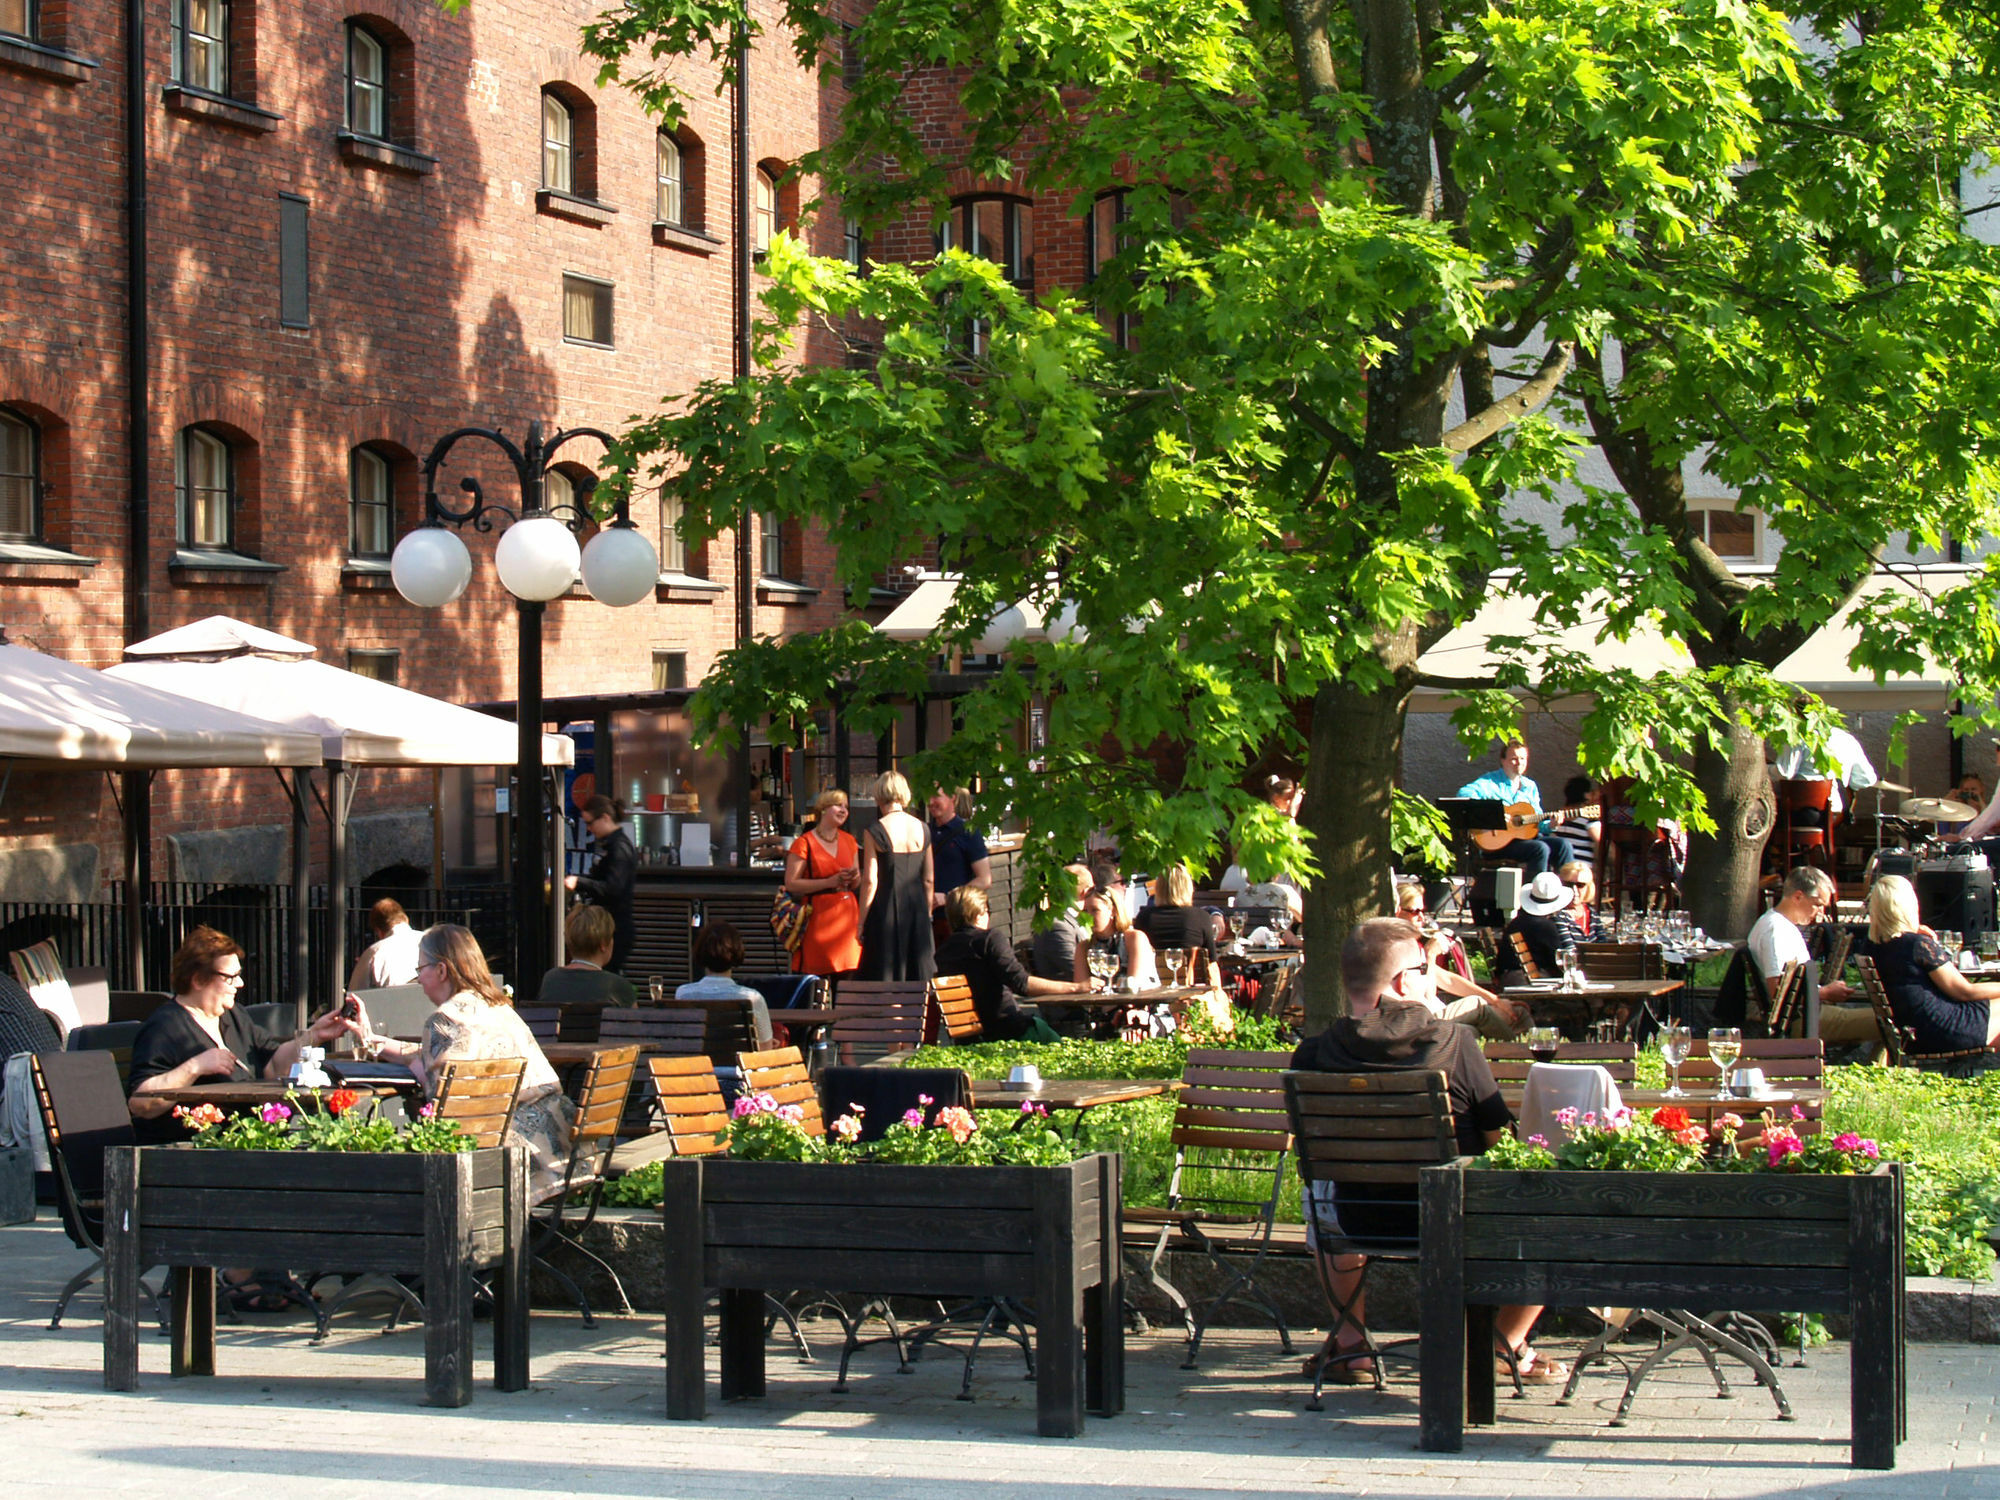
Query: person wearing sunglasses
x=203, y=1033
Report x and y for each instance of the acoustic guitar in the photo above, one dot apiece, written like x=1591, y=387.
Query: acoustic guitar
x=1523, y=822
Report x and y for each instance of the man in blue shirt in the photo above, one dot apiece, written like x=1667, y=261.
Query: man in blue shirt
x=1509, y=782
x=958, y=855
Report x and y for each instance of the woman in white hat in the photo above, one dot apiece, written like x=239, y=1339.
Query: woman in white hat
x=1537, y=922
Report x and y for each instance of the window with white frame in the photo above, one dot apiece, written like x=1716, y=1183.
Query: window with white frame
x=673, y=545
x=205, y=488
x=670, y=202
x=764, y=217
x=200, y=44
x=370, y=504
x=1730, y=533
x=367, y=82
x=20, y=478
x=558, y=145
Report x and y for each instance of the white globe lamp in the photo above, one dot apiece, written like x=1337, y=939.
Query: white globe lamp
x=620, y=566
x=430, y=567
x=537, y=559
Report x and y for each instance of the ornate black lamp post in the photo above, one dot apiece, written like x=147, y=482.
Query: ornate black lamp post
x=538, y=559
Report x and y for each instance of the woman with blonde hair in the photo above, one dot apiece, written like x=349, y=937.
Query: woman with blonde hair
x=475, y=1021
x=823, y=866
x=1578, y=922
x=1928, y=996
x=896, y=880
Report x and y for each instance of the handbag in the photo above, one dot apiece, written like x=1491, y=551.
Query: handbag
x=788, y=919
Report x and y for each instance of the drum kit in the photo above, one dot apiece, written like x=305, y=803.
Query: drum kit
x=1918, y=847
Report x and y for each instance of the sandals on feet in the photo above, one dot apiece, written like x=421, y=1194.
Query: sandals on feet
x=1536, y=1369
x=1342, y=1367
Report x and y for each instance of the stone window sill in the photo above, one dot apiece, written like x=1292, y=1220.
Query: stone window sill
x=369, y=573
x=561, y=205
x=685, y=588
x=199, y=104
x=367, y=151
x=782, y=591
x=199, y=565
x=32, y=562
x=680, y=237
x=43, y=60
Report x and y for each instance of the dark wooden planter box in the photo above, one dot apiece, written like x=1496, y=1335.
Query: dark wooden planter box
x=1659, y=1239
x=1045, y=1235
x=438, y=1216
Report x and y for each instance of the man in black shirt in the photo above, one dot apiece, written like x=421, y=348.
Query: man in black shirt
x=1386, y=972
x=996, y=977
x=612, y=877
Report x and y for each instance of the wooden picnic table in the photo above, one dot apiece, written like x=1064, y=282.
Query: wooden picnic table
x=1078, y=1094
x=247, y=1094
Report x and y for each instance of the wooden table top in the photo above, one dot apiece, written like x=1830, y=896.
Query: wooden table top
x=236, y=1095
x=1112, y=999
x=1068, y=1093
x=1600, y=989
x=1251, y=957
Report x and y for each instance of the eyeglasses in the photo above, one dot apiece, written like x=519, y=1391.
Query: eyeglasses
x=1422, y=968
x=235, y=974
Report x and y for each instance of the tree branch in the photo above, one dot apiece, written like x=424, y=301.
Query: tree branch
x=1510, y=409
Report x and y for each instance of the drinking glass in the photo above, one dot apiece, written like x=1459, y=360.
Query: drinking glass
x=1989, y=947
x=1675, y=1040
x=1725, y=1045
x=1543, y=1043
x=656, y=986
x=1171, y=960
x=1282, y=920
x=1237, y=920
x=1572, y=976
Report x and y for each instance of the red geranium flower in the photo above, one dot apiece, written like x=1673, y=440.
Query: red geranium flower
x=341, y=1100
x=1671, y=1117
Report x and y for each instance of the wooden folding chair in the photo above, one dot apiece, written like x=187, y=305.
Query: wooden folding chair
x=1525, y=956
x=957, y=1015
x=1230, y=1140
x=1364, y=1137
x=600, y=1109
x=1788, y=1063
x=1510, y=1060
x=675, y=1031
x=688, y=1101
x=479, y=1096
x=1787, y=1013
x=781, y=1073
x=878, y=1018
x=1898, y=1041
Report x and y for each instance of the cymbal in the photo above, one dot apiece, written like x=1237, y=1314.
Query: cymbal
x=1891, y=786
x=1936, y=810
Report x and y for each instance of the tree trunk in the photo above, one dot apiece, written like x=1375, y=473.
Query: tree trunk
x=1357, y=749
x=1721, y=879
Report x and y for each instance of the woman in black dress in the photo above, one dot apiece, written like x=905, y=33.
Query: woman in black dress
x=896, y=878
x=1945, y=1011
x=1172, y=921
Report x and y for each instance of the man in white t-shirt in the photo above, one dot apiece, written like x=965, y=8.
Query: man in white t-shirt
x=1777, y=939
x=392, y=957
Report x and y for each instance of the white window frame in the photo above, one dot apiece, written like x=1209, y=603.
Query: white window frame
x=206, y=511
x=670, y=174
x=1707, y=506
x=558, y=144
x=764, y=215
x=367, y=91
x=673, y=545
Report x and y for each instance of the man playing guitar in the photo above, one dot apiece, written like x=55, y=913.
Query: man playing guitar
x=1509, y=782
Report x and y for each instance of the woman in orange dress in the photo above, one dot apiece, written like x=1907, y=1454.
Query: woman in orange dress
x=823, y=866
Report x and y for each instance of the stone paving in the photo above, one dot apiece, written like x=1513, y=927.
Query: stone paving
x=286, y=1419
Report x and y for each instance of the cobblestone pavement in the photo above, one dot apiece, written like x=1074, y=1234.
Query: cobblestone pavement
x=286, y=1419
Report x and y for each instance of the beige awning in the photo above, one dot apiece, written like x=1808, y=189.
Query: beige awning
x=57, y=714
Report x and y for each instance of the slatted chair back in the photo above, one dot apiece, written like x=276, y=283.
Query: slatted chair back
x=1524, y=956
x=751, y=914
x=688, y=1099
x=600, y=1113
x=781, y=1073
x=1510, y=1061
x=676, y=1030
x=479, y=1095
x=1838, y=945
x=1369, y=1134
x=876, y=1018
x=730, y=1027
x=1897, y=1043
x=1787, y=1013
x=83, y=1111
x=544, y=1022
x=958, y=1016
x=1623, y=960
x=1277, y=992
x=115, y=1037
x=1788, y=1063
x=1230, y=1133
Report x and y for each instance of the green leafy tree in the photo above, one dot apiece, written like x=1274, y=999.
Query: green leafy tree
x=1245, y=529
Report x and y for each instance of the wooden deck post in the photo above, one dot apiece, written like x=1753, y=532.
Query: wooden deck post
x=1441, y=1351
x=1058, y=1306
x=687, y=1381
x=121, y=1269
x=510, y=1279
x=447, y=1280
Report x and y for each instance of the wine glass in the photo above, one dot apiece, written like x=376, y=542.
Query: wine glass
x=656, y=986
x=1282, y=920
x=1237, y=920
x=1675, y=1040
x=1171, y=960
x=1543, y=1043
x=1725, y=1045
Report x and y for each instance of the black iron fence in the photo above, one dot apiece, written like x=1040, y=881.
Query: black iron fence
x=260, y=917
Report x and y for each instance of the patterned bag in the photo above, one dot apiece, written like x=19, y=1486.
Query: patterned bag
x=788, y=919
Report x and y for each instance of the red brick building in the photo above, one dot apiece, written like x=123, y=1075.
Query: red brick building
x=364, y=227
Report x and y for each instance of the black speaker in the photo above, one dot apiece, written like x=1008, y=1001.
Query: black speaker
x=1961, y=900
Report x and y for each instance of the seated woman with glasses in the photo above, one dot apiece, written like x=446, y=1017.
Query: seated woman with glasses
x=1942, y=1009
x=475, y=1021
x=201, y=1033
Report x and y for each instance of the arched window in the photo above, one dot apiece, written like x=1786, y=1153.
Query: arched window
x=993, y=228
x=370, y=504
x=205, y=488
x=200, y=58
x=20, y=478
x=558, y=145
x=764, y=218
x=670, y=204
x=367, y=83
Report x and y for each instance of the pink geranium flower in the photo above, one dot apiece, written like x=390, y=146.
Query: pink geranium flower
x=274, y=1113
